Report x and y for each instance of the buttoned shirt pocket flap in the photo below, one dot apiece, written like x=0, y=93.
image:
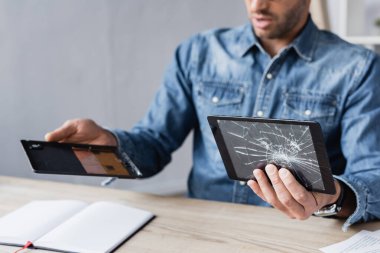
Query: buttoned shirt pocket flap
x=221, y=94
x=310, y=106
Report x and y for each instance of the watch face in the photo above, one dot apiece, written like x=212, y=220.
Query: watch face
x=329, y=210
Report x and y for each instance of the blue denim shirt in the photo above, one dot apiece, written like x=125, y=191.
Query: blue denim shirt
x=318, y=77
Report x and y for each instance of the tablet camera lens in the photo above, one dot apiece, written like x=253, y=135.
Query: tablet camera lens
x=35, y=146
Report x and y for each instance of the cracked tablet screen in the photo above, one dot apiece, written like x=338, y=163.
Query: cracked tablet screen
x=250, y=144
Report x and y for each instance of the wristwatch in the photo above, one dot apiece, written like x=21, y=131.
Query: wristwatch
x=332, y=209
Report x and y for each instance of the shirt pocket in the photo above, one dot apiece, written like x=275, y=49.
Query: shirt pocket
x=217, y=98
x=311, y=106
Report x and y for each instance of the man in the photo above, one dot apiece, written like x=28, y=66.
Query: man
x=278, y=66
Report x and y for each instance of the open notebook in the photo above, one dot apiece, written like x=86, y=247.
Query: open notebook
x=72, y=226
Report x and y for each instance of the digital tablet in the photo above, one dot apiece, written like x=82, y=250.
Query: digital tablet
x=78, y=159
x=249, y=143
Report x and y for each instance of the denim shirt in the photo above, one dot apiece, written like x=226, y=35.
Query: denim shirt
x=317, y=77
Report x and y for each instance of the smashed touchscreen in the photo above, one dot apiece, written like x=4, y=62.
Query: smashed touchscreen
x=248, y=143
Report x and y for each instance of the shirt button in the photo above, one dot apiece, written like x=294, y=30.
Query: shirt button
x=260, y=113
x=269, y=76
x=215, y=100
x=242, y=183
x=307, y=112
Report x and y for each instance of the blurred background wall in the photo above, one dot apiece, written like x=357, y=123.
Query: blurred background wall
x=99, y=59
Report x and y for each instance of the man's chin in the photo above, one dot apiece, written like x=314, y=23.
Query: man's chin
x=264, y=34
x=267, y=34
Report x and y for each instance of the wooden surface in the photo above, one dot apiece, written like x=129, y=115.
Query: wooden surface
x=188, y=225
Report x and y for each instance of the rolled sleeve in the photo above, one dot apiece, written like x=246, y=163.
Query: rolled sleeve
x=361, y=192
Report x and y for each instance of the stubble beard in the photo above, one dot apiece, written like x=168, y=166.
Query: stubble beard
x=282, y=28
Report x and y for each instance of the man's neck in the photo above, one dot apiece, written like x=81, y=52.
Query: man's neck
x=274, y=46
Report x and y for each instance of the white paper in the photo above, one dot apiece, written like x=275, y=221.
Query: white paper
x=362, y=242
x=35, y=219
x=98, y=228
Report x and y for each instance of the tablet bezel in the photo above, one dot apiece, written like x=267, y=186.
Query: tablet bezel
x=317, y=139
x=27, y=144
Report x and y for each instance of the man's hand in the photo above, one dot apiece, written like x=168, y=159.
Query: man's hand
x=82, y=131
x=286, y=194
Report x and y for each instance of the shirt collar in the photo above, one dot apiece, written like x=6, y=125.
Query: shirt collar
x=247, y=40
x=304, y=43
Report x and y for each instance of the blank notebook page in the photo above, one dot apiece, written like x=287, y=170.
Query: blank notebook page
x=35, y=219
x=100, y=227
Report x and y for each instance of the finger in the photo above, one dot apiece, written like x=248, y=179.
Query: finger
x=283, y=195
x=299, y=193
x=267, y=189
x=268, y=193
x=62, y=133
x=256, y=188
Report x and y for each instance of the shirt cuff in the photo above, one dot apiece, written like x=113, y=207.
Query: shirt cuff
x=125, y=149
x=361, y=192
